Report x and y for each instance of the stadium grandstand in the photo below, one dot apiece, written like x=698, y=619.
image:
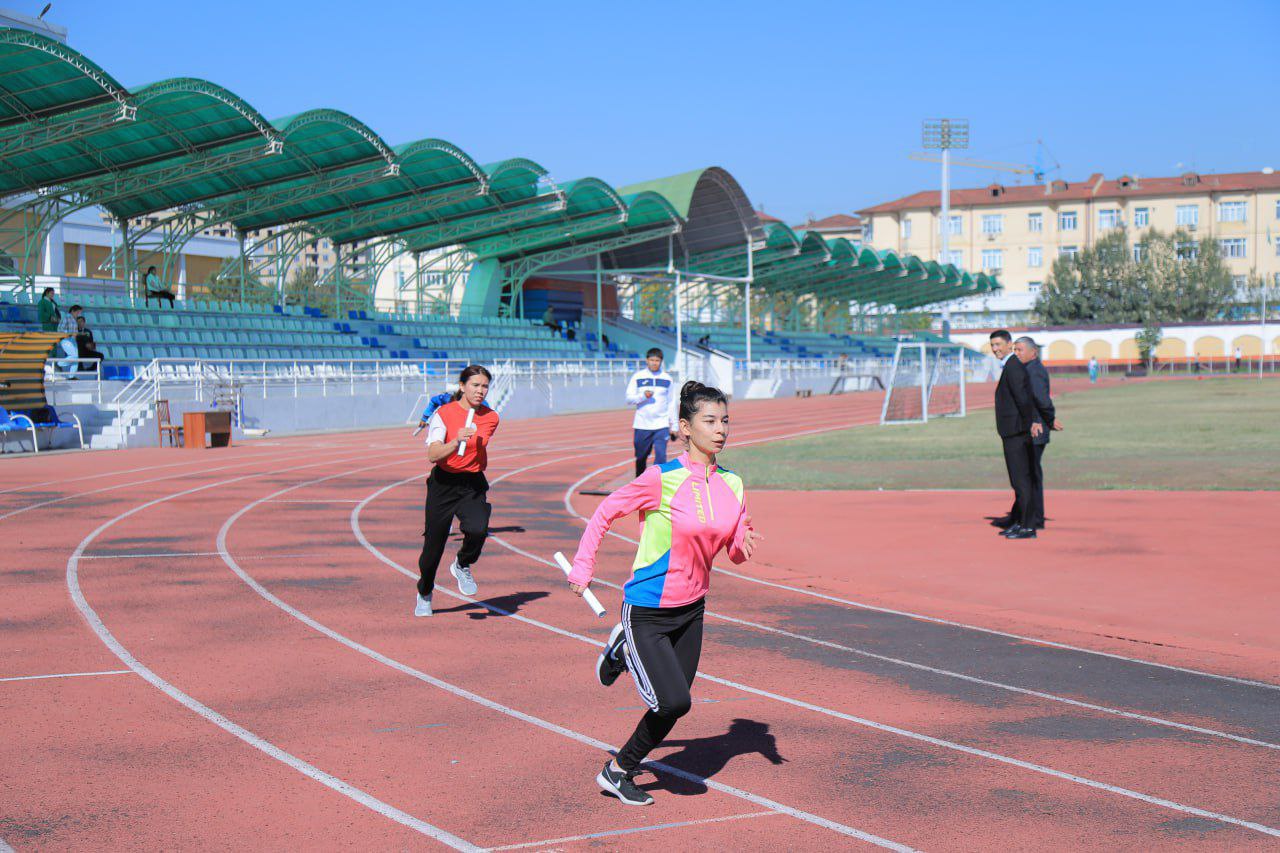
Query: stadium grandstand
x=437, y=259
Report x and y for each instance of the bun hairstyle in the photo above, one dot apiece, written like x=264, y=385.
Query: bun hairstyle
x=467, y=373
x=694, y=394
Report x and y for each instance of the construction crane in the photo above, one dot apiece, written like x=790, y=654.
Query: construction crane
x=1036, y=171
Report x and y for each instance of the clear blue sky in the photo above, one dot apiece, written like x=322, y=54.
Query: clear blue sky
x=813, y=106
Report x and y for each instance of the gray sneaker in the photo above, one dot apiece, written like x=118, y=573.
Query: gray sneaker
x=466, y=583
x=423, y=607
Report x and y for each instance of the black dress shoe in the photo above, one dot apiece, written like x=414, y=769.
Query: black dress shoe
x=1021, y=533
x=1004, y=521
x=1012, y=528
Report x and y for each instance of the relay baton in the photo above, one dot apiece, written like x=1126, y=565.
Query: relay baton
x=462, y=445
x=587, y=595
x=418, y=430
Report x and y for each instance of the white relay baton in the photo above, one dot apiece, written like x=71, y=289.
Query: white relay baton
x=587, y=595
x=462, y=445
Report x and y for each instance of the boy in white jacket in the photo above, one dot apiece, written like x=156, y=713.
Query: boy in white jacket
x=650, y=391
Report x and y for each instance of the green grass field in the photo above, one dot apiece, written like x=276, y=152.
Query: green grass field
x=1211, y=434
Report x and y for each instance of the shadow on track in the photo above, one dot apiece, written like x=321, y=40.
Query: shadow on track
x=707, y=756
x=510, y=603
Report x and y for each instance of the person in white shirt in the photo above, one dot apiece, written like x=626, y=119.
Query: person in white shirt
x=650, y=391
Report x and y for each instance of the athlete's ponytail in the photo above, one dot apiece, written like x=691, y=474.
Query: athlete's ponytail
x=467, y=373
x=694, y=394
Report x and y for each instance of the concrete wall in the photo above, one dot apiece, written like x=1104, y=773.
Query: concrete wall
x=1206, y=340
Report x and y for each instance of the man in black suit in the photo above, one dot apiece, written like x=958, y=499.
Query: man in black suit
x=1028, y=352
x=1017, y=426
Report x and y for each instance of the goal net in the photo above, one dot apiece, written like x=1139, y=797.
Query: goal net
x=926, y=381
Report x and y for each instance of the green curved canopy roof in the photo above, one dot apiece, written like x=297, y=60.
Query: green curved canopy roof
x=68, y=128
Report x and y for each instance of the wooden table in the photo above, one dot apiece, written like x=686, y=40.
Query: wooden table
x=196, y=425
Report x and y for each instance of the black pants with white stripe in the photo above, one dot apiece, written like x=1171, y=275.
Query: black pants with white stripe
x=663, y=647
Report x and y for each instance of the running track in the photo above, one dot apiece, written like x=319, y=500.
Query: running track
x=216, y=650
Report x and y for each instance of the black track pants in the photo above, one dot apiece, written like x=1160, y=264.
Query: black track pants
x=450, y=495
x=663, y=647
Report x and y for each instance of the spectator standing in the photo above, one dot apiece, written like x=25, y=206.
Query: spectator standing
x=1238, y=355
x=1093, y=368
x=656, y=418
x=47, y=309
x=549, y=320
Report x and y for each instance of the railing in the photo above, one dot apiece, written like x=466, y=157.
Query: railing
x=808, y=368
x=54, y=379
x=346, y=376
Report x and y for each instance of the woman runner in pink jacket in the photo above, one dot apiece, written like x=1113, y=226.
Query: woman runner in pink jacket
x=690, y=509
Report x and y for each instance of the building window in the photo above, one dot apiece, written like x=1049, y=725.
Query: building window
x=1033, y=286
x=906, y=228
x=992, y=223
x=1068, y=251
x=954, y=256
x=1241, y=285
x=1141, y=217
x=1188, y=214
x=1109, y=219
x=1139, y=252
x=1035, y=221
x=955, y=225
x=1035, y=256
x=1188, y=249
x=1232, y=211
x=992, y=259
x=1234, y=247
x=1067, y=220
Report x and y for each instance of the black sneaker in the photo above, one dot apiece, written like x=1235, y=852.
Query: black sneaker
x=612, y=661
x=620, y=785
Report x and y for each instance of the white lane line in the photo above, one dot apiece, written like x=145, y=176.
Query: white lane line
x=78, y=495
x=5, y=848
x=67, y=675
x=310, y=771
x=192, y=554
x=861, y=605
x=613, y=833
x=840, y=715
x=329, y=501
x=1052, y=697
x=462, y=693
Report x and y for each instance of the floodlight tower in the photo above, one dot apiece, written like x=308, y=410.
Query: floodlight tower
x=945, y=134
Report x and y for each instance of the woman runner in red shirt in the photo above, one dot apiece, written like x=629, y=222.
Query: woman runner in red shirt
x=457, y=485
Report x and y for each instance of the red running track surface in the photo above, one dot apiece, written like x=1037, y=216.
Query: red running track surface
x=235, y=663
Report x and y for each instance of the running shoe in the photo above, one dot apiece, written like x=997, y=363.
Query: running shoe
x=612, y=661
x=466, y=583
x=621, y=786
x=423, y=607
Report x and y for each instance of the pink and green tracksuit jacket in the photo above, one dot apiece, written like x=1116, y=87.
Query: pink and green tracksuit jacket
x=688, y=512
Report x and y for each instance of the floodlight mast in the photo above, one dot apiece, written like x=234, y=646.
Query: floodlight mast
x=945, y=134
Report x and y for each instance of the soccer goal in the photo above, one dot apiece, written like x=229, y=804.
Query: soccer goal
x=926, y=381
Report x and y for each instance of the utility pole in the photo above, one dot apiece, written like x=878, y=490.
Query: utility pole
x=945, y=134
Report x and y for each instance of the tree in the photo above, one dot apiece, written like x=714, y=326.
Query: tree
x=225, y=285
x=1170, y=278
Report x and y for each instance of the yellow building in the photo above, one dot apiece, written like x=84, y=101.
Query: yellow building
x=1018, y=231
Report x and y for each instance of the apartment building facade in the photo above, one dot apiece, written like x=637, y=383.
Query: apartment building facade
x=1016, y=232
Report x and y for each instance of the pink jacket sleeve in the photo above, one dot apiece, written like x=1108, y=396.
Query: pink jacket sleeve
x=736, y=554
x=642, y=493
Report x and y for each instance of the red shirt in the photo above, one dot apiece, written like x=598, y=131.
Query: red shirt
x=452, y=417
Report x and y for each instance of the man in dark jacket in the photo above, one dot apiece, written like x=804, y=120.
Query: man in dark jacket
x=1028, y=352
x=1017, y=426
